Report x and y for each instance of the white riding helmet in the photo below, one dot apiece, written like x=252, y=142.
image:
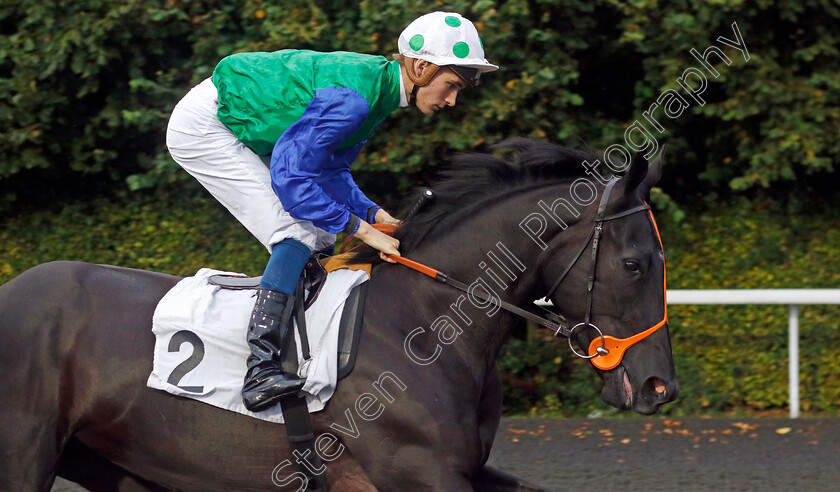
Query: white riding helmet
x=445, y=39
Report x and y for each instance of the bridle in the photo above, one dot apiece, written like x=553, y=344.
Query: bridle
x=605, y=355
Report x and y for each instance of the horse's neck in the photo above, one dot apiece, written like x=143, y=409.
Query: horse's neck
x=490, y=249
x=497, y=243
x=492, y=253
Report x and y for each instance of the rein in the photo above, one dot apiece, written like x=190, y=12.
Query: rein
x=548, y=319
x=543, y=317
x=605, y=351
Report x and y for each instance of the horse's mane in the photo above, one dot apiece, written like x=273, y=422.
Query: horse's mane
x=473, y=178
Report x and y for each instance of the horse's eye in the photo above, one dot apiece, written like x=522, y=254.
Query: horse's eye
x=632, y=266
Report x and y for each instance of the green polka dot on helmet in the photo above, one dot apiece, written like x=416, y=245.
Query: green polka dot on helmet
x=461, y=49
x=416, y=42
x=445, y=38
x=452, y=21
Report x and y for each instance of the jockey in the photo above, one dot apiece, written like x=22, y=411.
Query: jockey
x=272, y=136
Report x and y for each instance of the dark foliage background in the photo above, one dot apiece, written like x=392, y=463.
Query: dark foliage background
x=86, y=88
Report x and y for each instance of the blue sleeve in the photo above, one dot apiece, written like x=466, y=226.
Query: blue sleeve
x=339, y=184
x=306, y=150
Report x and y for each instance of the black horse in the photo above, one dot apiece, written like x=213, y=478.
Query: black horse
x=422, y=406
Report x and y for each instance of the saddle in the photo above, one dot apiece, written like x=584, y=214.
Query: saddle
x=299, y=429
x=309, y=287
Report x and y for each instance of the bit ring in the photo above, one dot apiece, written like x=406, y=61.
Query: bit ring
x=602, y=350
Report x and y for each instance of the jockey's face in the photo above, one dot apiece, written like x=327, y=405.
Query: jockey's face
x=440, y=92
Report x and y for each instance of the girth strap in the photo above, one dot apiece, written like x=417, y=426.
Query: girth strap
x=301, y=437
x=298, y=422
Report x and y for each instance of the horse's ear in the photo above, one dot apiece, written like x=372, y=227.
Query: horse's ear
x=643, y=175
x=654, y=172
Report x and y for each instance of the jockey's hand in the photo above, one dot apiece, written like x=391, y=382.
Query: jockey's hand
x=383, y=217
x=377, y=240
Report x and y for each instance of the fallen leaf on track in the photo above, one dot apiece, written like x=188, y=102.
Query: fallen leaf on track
x=745, y=427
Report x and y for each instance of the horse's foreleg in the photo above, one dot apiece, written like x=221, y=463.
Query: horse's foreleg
x=490, y=479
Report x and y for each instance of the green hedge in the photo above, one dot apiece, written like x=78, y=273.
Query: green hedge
x=86, y=88
x=175, y=234
x=734, y=358
x=729, y=358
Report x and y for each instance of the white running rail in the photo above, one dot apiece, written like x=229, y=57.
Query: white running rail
x=791, y=297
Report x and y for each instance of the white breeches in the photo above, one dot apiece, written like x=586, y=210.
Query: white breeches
x=237, y=177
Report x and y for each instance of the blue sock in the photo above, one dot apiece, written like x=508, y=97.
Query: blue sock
x=288, y=257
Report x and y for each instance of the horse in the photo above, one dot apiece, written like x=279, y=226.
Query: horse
x=421, y=408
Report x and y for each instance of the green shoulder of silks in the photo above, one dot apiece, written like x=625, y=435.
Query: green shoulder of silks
x=262, y=94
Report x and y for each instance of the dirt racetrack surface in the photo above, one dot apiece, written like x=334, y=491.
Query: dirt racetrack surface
x=643, y=454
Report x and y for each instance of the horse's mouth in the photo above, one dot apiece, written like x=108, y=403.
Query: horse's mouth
x=650, y=394
x=628, y=390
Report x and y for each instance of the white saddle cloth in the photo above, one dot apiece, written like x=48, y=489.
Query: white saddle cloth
x=201, y=348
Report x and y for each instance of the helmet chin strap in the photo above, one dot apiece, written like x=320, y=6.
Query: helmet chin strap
x=418, y=80
x=412, y=98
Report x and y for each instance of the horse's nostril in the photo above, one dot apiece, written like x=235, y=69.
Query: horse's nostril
x=656, y=389
x=659, y=386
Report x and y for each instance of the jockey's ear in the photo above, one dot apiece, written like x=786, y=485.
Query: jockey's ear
x=420, y=72
x=420, y=66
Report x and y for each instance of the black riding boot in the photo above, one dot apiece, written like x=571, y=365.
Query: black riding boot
x=265, y=381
